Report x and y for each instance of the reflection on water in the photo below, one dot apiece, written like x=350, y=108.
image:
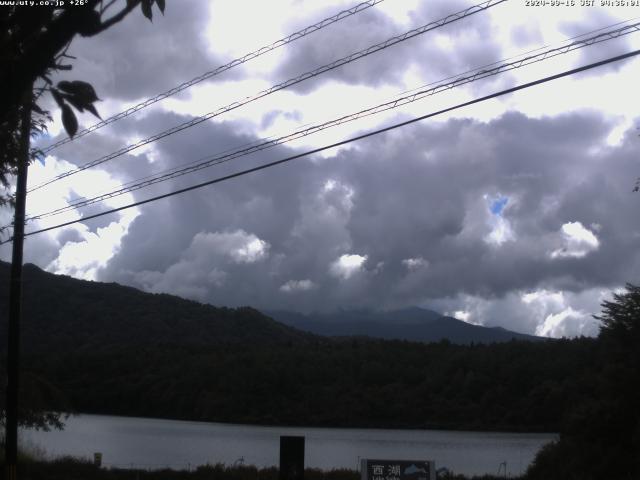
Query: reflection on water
x=156, y=443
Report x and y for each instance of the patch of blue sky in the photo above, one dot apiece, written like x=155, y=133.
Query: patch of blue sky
x=498, y=204
x=41, y=137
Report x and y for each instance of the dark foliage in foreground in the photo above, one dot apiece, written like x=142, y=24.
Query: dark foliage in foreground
x=77, y=469
x=601, y=437
x=360, y=383
x=74, y=469
x=33, y=46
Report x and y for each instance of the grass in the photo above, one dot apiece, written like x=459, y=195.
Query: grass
x=68, y=468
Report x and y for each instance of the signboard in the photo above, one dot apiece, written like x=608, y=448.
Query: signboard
x=291, y=458
x=398, y=469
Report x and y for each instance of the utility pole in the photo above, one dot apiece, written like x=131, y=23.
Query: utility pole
x=15, y=293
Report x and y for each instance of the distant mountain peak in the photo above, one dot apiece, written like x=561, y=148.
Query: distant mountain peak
x=410, y=323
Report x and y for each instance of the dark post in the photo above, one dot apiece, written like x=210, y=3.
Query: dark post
x=15, y=294
x=291, y=458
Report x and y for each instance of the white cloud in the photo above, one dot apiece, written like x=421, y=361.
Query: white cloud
x=84, y=248
x=561, y=315
x=82, y=259
x=544, y=312
x=252, y=251
x=204, y=266
x=463, y=315
x=347, y=265
x=415, y=263
x=297, y=286
x=565, y=324
x=543, y=297
x=501, y=231
x=217, y=277
x=577, y=241
x=239, y=246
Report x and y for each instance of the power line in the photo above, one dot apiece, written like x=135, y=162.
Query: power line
x=223, y=68
x=594, y=39
x=293, y=81
x=344, y=142
x=210, y=161
x=305, y=76
x=229, y=155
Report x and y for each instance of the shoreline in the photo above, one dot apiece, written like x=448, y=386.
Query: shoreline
x=391, y=427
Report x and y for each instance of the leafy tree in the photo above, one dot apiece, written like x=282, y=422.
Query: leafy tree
x=601, y=439
x=42, y=404
x=620, y=337
x=620, y=319
x=33, y=45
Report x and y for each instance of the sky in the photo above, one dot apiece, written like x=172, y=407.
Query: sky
x=515, y=212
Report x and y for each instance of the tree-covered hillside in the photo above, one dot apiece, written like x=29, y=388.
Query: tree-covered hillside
x=61, y=313
x=509, y=386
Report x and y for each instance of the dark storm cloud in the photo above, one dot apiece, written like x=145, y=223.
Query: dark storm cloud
x=395, y=220
x=269, y=118
x=471, y=38
x=342, y=39
x=39, y=250
x=598, y=21
x=132, y=165
x=101, y=143
x=470, y=46
x=69, y=235
x=94, y=224
x=136, y=58
x=527, y=34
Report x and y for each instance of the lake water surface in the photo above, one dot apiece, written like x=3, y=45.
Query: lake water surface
x=155, y=443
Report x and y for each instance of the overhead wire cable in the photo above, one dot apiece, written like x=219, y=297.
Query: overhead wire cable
x=223, y=68
x=611, y=34
x=82, y=203
x=523, y=54
x=342, y=142
x=134, y=184
x=263, y=144
x=197, y=161
x=177, y=171
x=288, y=83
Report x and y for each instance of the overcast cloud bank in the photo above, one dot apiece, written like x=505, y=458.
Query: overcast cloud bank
x=503, y=216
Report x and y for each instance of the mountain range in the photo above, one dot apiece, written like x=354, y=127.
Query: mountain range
x=412, y=324
x=62, y=313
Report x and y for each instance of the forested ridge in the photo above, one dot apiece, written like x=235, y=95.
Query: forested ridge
x=365, y=383
x=61, y=313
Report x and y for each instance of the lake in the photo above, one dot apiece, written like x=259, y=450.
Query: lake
x=156, y=443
